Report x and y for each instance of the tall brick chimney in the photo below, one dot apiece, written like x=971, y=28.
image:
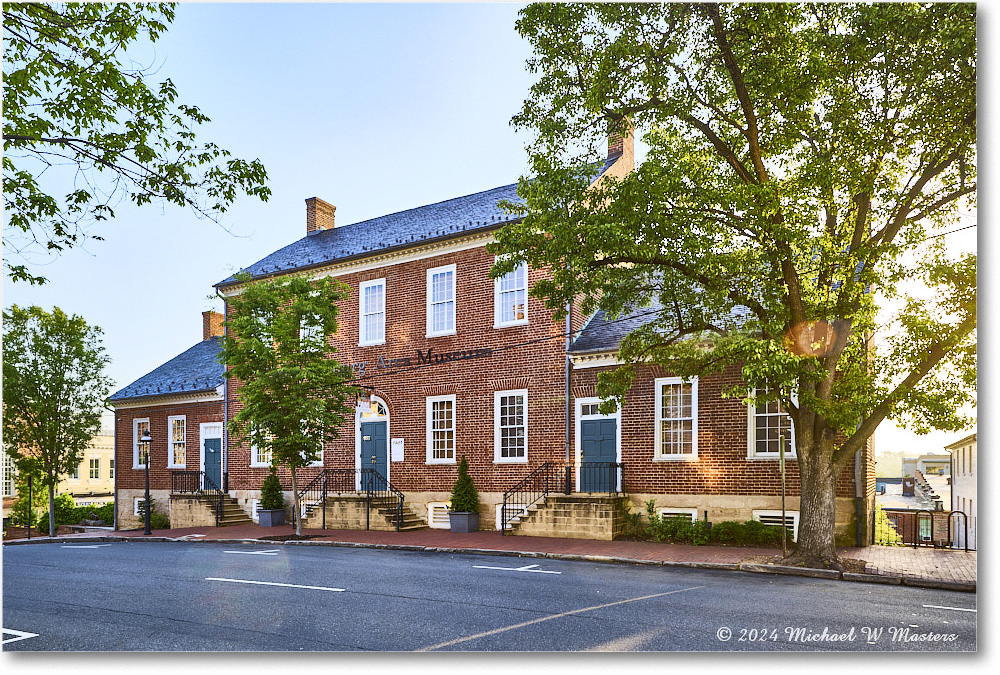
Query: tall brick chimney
x=211, y=325
x=623, y=147
x=319, y=215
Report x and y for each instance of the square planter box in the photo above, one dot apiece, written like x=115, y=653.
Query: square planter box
x=463, y=522
x=271, y=518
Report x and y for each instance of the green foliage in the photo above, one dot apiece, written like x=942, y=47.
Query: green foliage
x=464, y=496
x=271, y=496
x=294, y=392
x=105, y=513
x=885, y=533
x=157, y=520
x=54, y=387
x=75, y=102
x=19, y=509
x=801, y=156
x=749, y=533
x=632, y=527
x=676, y=529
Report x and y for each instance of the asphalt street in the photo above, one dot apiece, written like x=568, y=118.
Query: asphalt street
x=147, y=596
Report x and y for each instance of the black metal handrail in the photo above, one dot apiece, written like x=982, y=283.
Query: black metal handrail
x=326, y=482
x=200, y=483
x=369, y=482
x=377, y=487
x=532, y=488
x=601, y=473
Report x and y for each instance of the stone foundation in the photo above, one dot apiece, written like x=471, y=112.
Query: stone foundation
x=127, y=518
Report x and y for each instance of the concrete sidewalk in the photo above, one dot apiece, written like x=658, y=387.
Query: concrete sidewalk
x=955, y=570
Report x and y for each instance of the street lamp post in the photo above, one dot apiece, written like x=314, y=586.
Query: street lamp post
x=146, y=440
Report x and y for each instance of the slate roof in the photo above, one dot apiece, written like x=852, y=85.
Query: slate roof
x=196, y=370
x=601, y=334
x=453, y=217
x=471, y=213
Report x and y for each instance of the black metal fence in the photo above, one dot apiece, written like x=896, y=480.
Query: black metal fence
x=601, y=477
x=200, y=483
x=534, y=487
x=922, y=527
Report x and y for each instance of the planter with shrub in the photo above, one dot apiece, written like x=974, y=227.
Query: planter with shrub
x=271, y=510
x=464, y=513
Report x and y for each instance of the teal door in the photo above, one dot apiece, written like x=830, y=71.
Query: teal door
x=598, y=450
x=375, y=447
x=213, y=463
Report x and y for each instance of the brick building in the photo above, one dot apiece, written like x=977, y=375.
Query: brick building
x=458, y=364
x=181, y=405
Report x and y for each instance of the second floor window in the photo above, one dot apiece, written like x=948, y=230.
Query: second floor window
x=95, y=468
x=372, y=313
x=511, y=297
x=140, y=451
x=441, y=300
x=111, y=469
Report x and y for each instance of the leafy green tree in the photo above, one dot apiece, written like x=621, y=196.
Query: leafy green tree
x=801, y=156
x=54, y=388
x=21, y=512
x=79, y=111
x=293, y=393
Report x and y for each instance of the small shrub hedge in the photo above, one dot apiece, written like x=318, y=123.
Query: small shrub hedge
x=464, y=496
x=67, y=513
x=682, y=530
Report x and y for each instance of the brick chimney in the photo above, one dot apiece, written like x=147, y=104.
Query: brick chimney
x=319, y=215
x=623, y=147
x=211, y=325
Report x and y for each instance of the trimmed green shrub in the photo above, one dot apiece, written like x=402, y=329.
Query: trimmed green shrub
x=676, y=529
x=749, y=533
x=157, y=520
x=464, y=496
x=271, y=496
x=106, y=513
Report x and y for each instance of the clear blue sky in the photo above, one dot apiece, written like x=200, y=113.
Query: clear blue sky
x=374, y=108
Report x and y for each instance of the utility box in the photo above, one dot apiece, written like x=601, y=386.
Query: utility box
x=908, y=486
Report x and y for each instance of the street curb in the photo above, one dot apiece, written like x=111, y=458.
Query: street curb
x=790, y=571
x=757, y=568
x=889, y=579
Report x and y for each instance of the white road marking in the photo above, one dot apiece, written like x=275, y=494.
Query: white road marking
x=274, y=583
x=526, y=568
x=19, y=635
x=957, y=609
x=272, y=551
x=515, y=626
x=82, y=546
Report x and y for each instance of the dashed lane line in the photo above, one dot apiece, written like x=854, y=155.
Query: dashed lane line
x=272, y=551
x=495, y=631
x=274, y=583
x=957, y=609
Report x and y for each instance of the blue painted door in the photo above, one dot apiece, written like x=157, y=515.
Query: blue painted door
x=213, y=463
x=375, y=447
x=598, y=444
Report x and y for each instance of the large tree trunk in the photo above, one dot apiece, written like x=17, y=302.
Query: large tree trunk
x=52, y=510
x=297, y=514
x=817, y=511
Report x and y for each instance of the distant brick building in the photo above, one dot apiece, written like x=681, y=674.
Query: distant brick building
x=459, y=364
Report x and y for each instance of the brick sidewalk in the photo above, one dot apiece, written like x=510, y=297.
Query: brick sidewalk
x=923, y=563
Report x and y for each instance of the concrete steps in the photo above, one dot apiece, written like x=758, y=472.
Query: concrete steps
x=573, y=517
x=232, y=512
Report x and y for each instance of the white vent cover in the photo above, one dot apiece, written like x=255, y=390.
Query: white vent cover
x=437, y=515
x=774, y=518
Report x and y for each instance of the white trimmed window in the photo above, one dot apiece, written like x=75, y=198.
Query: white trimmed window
x=177, y=451
x=676, y=418
x=441, y=301
x=138, y=505
x=773, y=517
x=95, y=468
x=8, y=475
x=685, y=514
x=510, y=426
x=441, y=429
x=371, y=296
x=260, y=456
x=111, y=469
x=75, y=473
x=437, y=515
x=510, y=298
x=140, y=451
x=311, y=333
x=768, y=423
